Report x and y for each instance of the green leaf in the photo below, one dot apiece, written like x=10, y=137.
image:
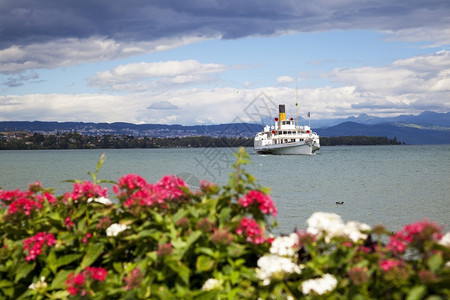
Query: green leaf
x=204, y=263
x=148, y=233
x=60, y=295
x=67, y=259
x=60, y=279
x=435, y=262
x=5, y=283
x=23, y=271
x=92, y=253
x=417, y=292
x=225, y=214
x=193, y=236
x=205, y=250
x=118, y=267
x=51, y=261
x=234, y=276
x=181, y=269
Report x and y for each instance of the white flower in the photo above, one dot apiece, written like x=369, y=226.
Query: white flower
x=285, y=245
x=115, y=229
x=328, y=223
x=101, y=200
x=319, y=286
x=212, y=284
x=274, y=266
x=39, y=285
x=445, y=241
x=331, y=225
x=352, y=230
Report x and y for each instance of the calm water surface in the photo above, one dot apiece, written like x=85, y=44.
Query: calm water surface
x=391, y=185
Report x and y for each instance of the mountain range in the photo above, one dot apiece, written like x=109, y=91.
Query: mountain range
x=425, y=128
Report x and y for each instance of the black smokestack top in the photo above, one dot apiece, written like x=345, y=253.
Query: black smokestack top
x=281, y=109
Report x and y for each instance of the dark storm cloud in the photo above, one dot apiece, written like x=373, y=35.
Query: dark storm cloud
x=23, y=22
x=47, y=34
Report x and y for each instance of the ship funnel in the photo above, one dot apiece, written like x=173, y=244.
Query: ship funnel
x=282, y=113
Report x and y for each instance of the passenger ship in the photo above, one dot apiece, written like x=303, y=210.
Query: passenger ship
x=286, y=137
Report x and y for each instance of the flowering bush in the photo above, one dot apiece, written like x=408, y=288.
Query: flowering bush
x=164, y=241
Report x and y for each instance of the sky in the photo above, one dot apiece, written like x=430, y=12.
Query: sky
x=213, y=62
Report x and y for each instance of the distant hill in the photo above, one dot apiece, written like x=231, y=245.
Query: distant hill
x=426, y=118
x=408, y=133
x=426, y=128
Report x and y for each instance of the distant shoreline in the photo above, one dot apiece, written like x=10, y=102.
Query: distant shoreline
x=23, y=140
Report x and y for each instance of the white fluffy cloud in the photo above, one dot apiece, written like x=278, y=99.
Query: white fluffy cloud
x=406, y=86
x=414, y=84
x=145, y=76
x=73, y=51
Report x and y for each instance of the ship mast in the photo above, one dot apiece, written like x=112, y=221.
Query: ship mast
x=296, y=98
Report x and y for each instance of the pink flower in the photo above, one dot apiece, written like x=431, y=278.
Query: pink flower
x=97, y=273
x=84, y=191
x=222, y=237
x=23, y=205
x=250, y=228
x=35, y=244
x=68, y=222
x=130, y=182
x=77, y=284
x=35, y=187
x=358, y=275
x=388, y=264
x=206, y=225
x=134, y=279
x=263, y=201
x=9, y=196
x=164, y=249
x=136, y=193
x=415, y=233
x=86, y=237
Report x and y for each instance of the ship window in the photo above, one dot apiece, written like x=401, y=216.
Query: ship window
x=292, y=140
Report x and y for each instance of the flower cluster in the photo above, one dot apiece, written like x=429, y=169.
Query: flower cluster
x=261, y=200
x=222, y=237
x=137, y=193
x=414, y=233
x=26, y=203
x=78, y=284
x=35, y=244
x=319, y=286
x=133, y=279
x=10, y=196
x=331, y=225
x=115, y=229
x=274, y=267
x=164, y=249
x=82, y=191
x=285, y=245
x=24, y=206
x=212, y=284
x=251, y=230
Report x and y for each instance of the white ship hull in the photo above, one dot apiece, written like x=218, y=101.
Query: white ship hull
x=300, y=149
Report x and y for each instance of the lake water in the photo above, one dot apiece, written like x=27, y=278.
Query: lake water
x=390, y=185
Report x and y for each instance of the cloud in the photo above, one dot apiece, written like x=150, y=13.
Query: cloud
x=73, y=51
x=162, y=105
x=414, y=84
x=15, y=81
x=284, y=80
x=145, y=76
x=48, y=34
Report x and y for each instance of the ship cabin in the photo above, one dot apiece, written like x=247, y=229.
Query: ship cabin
x=286, y=132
